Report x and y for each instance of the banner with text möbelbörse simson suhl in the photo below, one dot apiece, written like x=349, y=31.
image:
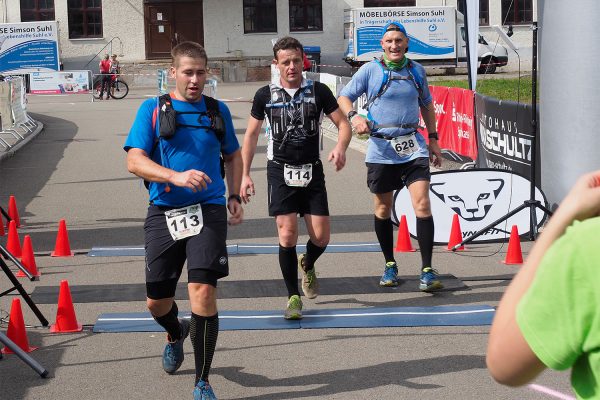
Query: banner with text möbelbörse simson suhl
x=506, y=136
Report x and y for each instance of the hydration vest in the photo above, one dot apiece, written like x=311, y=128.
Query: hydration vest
x=166, y=116
x=388, y=77
x=294, y=119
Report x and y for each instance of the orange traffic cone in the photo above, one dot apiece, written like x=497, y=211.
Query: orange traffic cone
x=66, y=321
x=28, y=260
x=62, y=247
x=13, y=212
x=16, y=329
x=2, y=231
x=455, y=234
x=514, y=255
x=403, y=243
x=13, y=244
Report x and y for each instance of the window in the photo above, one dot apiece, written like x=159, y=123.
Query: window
x=517, y=12
x=484, y=11
x=390, y=3
x=85, y=18
x=260, y=16
x=306, y=15
x=37, y=10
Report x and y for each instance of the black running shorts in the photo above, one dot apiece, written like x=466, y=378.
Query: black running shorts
x=206, y=253
x=384, y=178
x=284, y=199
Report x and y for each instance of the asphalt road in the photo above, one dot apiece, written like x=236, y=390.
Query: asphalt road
x=75, y=169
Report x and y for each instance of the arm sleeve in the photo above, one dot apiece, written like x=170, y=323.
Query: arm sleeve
x=326, y=98
x=231, y=143
x=261, y=98
x=141, y=135
x=560, y=308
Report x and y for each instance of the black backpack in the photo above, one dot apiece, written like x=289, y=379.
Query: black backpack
x=167, y=123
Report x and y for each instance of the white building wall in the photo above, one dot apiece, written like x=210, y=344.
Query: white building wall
x=122, y=20
x=123, y=31
x=224, y=35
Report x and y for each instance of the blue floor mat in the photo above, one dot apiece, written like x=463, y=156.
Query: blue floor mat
x=236, y=249
x=316, y=319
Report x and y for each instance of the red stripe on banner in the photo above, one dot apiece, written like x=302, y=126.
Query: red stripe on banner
x=455, y=114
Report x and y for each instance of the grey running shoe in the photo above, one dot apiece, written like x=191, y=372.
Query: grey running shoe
x=310, y=285
x=294, y=308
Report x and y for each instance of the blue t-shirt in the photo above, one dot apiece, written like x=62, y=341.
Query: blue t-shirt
x=189, y=148
x=398, y=105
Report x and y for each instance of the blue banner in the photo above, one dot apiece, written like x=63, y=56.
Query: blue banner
x=29, y=46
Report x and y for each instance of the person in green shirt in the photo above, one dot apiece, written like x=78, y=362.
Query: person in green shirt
x=549, y=316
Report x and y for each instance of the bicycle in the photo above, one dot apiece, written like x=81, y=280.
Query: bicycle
x=117, y=89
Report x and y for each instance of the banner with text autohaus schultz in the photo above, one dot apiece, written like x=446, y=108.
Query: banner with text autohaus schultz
x=506, y=136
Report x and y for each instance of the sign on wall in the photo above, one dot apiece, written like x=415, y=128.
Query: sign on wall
x=29, y=46
x=479, y=197
x=66, y=82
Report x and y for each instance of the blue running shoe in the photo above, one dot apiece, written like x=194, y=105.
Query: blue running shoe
x=430, y=280
x=173, y=354
x=390, y=275
x=203, y=391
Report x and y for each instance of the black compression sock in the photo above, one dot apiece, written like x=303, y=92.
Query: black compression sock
x=288, y=262
x=203, y=333
x=384, y=229
x=170, y=322
x=313, y=252
x=425, y=231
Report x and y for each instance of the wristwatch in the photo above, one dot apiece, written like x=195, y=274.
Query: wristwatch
x=351, y=114
x=235, y=197
x=433, y=135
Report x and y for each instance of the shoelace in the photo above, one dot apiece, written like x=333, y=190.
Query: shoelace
x=294, y=304
x=310, y=277
x=431, y=273
x=205, y=391
x=390, y=273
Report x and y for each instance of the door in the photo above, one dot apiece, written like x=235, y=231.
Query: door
x=169, y=23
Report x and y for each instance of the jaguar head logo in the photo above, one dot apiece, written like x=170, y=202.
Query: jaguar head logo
x=472, y=201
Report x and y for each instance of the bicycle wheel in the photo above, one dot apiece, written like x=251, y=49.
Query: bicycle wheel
x=119, y=89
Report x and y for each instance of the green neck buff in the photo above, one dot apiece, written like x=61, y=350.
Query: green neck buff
x=393, y=65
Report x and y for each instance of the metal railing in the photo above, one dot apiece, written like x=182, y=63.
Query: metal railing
x=110, y=42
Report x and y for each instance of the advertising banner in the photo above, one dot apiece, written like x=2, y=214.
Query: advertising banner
x=6, y=117
x=29, y=46
x=479, y=197
x=331, y=82
x=18, y=108
x=506, y=137
x=431, y=31
x=455, y=120
x=162, y=76
x=65, y=82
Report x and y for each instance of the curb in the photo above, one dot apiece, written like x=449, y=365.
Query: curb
x=16, y=147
